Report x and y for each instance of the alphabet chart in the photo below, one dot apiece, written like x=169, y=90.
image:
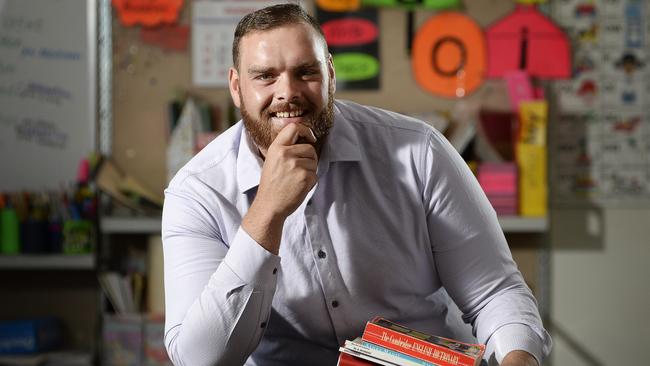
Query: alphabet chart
x=600, y=136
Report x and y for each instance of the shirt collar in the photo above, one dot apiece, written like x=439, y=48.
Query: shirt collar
x=342, y=145
x=249, y=162
x=343, y=141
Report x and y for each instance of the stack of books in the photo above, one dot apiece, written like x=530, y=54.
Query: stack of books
x=499, y=182
x=386, y=343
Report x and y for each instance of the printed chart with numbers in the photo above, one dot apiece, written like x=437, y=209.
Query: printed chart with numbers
x=600, y=138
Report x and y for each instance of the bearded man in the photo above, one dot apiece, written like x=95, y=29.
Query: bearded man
x=311, y=216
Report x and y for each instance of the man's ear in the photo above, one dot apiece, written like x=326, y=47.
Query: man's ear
x=233, y=84
x=330, y=70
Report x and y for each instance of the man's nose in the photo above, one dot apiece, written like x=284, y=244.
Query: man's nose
x=287, y=88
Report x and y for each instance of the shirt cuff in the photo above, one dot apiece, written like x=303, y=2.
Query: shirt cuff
x=511, y=337
x=251, y=262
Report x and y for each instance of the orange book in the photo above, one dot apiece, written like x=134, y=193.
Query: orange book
x=438, y=350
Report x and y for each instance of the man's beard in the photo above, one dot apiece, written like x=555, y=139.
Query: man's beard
x=261, y=129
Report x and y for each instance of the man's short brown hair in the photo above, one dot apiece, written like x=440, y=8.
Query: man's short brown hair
x=269, y=18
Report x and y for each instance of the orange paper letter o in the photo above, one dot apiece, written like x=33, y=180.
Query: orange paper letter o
x=449, y=55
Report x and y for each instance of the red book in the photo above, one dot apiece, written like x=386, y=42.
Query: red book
x=349, y=360
x=438, y=350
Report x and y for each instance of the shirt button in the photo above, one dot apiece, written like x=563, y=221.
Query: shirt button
x=321, y=254
x=335, y=304
x=263, y=325
x=275, y=270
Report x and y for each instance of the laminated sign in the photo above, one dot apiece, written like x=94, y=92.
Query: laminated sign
x=353, y=40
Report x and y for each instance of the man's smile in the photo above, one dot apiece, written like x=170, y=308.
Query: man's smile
x=288, y=114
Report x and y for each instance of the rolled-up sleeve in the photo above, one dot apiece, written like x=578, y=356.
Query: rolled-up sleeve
x=516, y=337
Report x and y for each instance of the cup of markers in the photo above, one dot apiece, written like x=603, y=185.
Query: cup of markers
x=54, y=222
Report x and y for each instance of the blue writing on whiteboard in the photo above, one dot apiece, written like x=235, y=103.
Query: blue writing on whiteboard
x=44, y=133
x=52, y=54
x=45, y=93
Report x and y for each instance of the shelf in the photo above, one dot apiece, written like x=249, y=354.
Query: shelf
x=130, y=225
x=47, y=261
x=152, y=225
x=57, y=357
x=517, y=224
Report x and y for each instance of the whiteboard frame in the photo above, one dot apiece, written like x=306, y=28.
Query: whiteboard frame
x=105, y=72
x=91, y=15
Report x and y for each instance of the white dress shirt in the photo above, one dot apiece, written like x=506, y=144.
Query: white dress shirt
x=395, y=216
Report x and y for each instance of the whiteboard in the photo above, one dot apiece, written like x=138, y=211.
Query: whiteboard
x=47, y=91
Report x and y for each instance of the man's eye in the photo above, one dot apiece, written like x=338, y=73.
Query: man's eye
x=264, y=77
x=310, y=72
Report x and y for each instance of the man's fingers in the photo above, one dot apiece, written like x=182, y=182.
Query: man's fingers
x=304, y=151
x=304, y=140
x=290, y=134
x=308, y=164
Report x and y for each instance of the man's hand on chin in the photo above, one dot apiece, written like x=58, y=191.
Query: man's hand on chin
x=519, y=358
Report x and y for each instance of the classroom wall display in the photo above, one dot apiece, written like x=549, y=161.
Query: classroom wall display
x=353, y=40
x=600, y=142
x=47, y=91
x=143, y=91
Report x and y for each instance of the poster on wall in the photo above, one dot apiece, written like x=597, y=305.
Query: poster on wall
x=213, y=25
x=353, y=41
x=601, y=136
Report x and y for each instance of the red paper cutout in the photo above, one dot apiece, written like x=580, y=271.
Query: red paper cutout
x=148, y=12
x=527, y=40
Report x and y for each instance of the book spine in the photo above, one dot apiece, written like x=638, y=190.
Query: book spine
x=414, y=347
x=346, y=359
x=363, y=356
x=387, y=354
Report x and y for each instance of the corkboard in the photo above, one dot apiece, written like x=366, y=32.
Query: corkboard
x=146, y=78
